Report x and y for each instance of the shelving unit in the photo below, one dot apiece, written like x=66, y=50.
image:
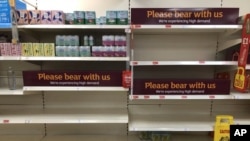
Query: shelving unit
x=54, y=113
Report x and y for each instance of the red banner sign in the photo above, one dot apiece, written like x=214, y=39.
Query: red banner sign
x=198, y=16
x=72, y=78
x=181, y=86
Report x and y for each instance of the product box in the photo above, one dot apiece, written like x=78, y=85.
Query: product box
x=34, y=16
x=60, y=40
x=49, y=49
x=38, y=49
x=46, y=17
x=16, y=49
x=73, y=51
x=61, y=51
x=222, y=127
x=90, y=17
x=108, y=51
x=97, y=51
x=27, y=49
x=122, y=17
x=103, y=20
x=69, y=18
x=79, y=17
x=84, y=51
x=58, y=17
x=120, y=51
x=22, y=17
x=5, y=49
x=108, y=40
x=111, y=17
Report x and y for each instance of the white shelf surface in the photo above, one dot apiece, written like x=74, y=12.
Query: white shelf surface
x=215, y=63
x=46, y=58
x=6, y=91
x=233, y=95
x=181, y=28
x=62, y=26
x=177, y=122
x=53, y=58
x=6, y=58
x=85, y=137
x=66, y=88
x=64, y=116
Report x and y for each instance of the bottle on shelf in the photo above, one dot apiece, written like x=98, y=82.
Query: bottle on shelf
x=11, y=79
x=85, y=40
x=91, y=40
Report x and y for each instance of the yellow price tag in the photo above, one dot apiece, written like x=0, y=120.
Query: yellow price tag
x=239, y=79
x=12, y=3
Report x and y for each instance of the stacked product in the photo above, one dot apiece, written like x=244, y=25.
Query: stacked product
x=113, y=46
x=89, y=17
x=77, y=17
x=38, y=49
x=116, y=17
x=81, y=17
x=9, y=49
x=40, y=17
x=68, y=45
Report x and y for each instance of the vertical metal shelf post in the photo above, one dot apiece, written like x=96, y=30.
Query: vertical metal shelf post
x=15, y=35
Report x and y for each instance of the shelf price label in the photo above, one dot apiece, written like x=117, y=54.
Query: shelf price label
x=162, y=97
x=168, y=26
x=201, y=62
x=136, y=26
x=135, y=96
x=184, y=97
x=146, y=96
x=211, y=97
x=134, y=63
x=6, y=121
x=155, y=62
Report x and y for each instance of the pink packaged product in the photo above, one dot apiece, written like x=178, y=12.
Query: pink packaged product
x=108, y=51
x=120, y=51
x=16, y=50
x=34, y=16
x=46, y=17
x=22, y=17
x=58, y=17
x=5, y=49
x=97, y=51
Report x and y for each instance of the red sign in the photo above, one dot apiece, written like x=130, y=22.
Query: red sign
x=181, y=87
x=241, y=79
x=72, y=78
x=192, y=16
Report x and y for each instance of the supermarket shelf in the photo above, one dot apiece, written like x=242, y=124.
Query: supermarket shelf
x=46, y=27
x=64, y=116
x=6, y=91
x=148, y=63
x=9, y=58
x=227, y=44
x=85, y=137
x=46, y=58
x=63, y=88
x=182, y=28
x=145, y=97
x=177, y=122
x=233, y=95
x=176, y=136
